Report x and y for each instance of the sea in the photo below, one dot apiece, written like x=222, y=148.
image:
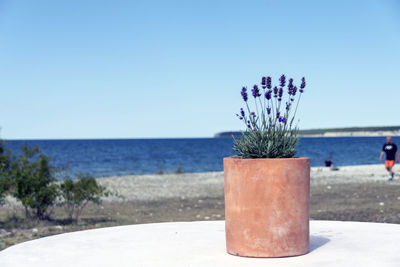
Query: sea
x=118, y=157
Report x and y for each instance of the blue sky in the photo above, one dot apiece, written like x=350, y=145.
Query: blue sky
x=148, y=69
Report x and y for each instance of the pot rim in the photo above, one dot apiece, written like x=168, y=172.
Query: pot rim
x=266, y=159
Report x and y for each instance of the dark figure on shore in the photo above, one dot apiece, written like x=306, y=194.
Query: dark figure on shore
x=391, y=155
x=328, y=162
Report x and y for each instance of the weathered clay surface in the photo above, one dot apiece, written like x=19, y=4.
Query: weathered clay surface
x=267, y=206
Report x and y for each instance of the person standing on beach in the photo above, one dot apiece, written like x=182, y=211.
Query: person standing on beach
x=391, y=154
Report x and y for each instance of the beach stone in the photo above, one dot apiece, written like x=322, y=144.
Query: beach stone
x=195, y=244
x=4, y=233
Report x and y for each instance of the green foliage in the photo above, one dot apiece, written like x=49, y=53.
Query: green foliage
x=29, y=177
x=272, y=143
x=76, y=194
x=32, y=182
x=4, y=172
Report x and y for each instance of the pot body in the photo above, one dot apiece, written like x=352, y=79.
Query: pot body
x=267, y=206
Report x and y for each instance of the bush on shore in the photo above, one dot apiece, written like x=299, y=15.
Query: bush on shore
x=32, y=183
x=4, y=169
x=30, y=178
x=76, y=194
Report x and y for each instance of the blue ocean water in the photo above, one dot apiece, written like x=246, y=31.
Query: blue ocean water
x=145, y=156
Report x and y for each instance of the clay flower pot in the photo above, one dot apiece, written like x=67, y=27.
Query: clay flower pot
x=267, y=206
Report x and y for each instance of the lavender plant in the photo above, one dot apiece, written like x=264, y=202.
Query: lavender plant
x=270, y=132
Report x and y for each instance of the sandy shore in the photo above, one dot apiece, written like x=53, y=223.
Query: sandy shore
x=211, y=184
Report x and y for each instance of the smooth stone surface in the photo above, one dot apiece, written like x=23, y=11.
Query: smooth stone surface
x=203, y=244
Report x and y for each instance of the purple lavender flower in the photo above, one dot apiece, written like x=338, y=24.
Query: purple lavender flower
x=269, y=86
x=288, y=104
x=282, y=79
x=294, y=90
x=255, y=91
x=268, y=110
x=278, y=114
x=268, y=94
x=240, y=117
x=284, y=120
x=244, y=93
x=280, y=93
x=275, y=91
x=303, y=83
x=264, y=82
x=253, y=114
x=248, y=124
x=290, y=86
x=242, y=112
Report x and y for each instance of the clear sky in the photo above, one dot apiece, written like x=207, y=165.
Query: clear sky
x=146, y=69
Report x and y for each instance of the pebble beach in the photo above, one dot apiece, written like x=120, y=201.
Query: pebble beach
x=211, y=184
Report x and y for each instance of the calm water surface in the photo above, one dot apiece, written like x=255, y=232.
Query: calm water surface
x=145, y=156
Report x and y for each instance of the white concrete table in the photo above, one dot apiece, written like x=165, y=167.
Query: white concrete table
x=203, y=244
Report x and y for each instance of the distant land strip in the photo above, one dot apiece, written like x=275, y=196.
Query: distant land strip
x=335, y=132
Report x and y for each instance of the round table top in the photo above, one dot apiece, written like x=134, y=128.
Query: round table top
x=332, y=243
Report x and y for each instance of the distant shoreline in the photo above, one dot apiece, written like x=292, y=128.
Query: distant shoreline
x=352, y=134
x=336, y=132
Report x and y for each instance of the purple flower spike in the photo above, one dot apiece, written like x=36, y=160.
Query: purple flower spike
x=269, y=85
x=288, y=104
x=268, y=110
x=244, y=93
x=242, y=112
x=284, y=120
x=268, y=94
x=278, y=114
x=275, y=91
x=255, y=91
x=294, y=90
x=240, y=117
x=280, y=94
x=264, y=82
x=290, y=86
x=248, y=124
x=303, y=83
x=253, y=114
x=282, y=79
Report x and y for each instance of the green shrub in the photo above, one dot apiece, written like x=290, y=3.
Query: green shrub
x=4, y=172
x=76, y=194
x=32, y=183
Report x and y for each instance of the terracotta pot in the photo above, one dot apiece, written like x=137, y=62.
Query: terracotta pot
x=267, y=206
